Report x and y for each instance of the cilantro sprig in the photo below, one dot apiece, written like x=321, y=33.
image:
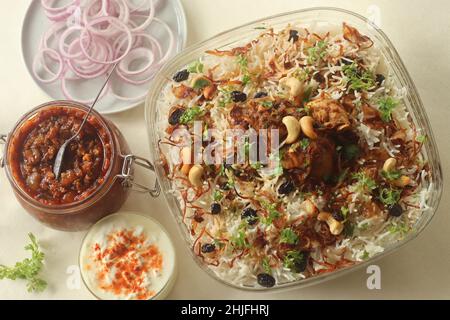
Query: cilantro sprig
x=191, y=114
x=386, y=105
x=288, y=236
x=28, y=269
x=357, y=79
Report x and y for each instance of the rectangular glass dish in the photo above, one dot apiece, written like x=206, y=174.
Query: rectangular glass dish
x=238, y=36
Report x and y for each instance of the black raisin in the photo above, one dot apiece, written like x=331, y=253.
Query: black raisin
x=265, y=280
x=319, y=77
x=286, y=187
x=208, y=248
x=215, y=208
x=174, y=117
x=260, y=94
x=238, y=96
x=293, y=35
x=379, y=78
x=395, y=210
x=250, y=215
x=181, y=75
x=337, y=215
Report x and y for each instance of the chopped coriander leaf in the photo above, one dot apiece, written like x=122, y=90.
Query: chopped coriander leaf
x=273, y=213
x=257, y=165
x=267, y=104
x=246, y=79
x=307, y=96
x=389, y=196
x=364, y=226
x=242, y=61
x=296, y=261
x=421, y=138
x=195, y=67
x=217, y=195
x=200, y=83
x=385, y=106
x=398, y=228
x=364, y=182
x=288, y=236
x=317, y=52
x=239, y=240
x=391, y=175
x=349, y=228
x=358, y=80
x=266, y=265
x=191, y=114
x=351, y=151
x=28, y=269
x=345, y=211
x=304, y=143
x=365, y=255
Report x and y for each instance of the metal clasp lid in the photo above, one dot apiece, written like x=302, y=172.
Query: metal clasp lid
x=128, y=175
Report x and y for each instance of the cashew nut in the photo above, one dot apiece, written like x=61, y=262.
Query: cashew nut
x=389, y=165
x=195, y=175
x=295, y=86
x=185, y=169
x=402, y=182
x=293, y=128
x=306, y=124
x=335, y=226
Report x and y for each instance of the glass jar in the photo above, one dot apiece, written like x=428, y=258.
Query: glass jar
x=105, y=198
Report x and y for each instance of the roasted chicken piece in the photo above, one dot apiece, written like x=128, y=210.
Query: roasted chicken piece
x=329, y=113
x=318, y=158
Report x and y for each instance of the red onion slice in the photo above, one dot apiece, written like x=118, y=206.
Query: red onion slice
x=41, y=56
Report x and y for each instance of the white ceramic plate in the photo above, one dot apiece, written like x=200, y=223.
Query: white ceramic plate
x=36, y=23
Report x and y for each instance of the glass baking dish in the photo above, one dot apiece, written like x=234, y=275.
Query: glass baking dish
x=240, y=34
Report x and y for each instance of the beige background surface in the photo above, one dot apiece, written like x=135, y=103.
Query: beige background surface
x=420, y=31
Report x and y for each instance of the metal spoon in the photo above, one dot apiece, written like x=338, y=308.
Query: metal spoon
x=61, y=152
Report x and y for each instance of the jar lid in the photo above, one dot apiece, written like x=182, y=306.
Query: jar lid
x=128, y=255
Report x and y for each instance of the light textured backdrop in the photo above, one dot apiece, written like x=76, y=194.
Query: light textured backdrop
x=420, y=31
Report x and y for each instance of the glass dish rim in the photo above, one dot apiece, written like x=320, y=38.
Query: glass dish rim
x=429, y=146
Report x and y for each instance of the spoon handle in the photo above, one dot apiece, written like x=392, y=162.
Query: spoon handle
x=96, y=99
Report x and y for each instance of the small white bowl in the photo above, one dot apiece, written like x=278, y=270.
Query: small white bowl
x=153, y=229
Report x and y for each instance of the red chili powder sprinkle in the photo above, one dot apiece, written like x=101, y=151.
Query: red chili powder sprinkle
x=128, y=259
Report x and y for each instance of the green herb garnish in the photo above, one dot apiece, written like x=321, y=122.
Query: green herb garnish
x=398, y=228
x=391, y=175
x=365, y=255
x=349, y=228
x=267, y=103
x=266, y=265
x=217, y=195
x=191, y=114
x=317, y=52
x=195, y=67
x=200, y=83
x=288, y=236
x=28, y=269
x=358, y=80
x=351, y=151
x=304, y=143
x=385, y=106
x=239, y=240
x=364, y=182
x=421, y=138
x=389, y=196
x=296, y=261
x=273, y=213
